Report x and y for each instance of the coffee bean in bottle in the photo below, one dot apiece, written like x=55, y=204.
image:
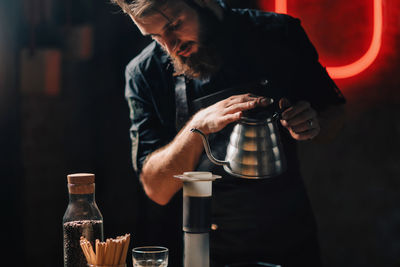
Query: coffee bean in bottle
x=82, y=218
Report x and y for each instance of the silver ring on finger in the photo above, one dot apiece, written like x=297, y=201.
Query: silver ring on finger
x=310, y=123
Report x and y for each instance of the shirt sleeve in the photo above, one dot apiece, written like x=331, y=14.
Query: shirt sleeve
x=146, y=128
x=312, y=82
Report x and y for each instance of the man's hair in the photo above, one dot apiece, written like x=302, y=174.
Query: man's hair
x=140, y=8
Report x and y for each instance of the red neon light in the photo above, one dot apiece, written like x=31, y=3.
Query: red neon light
x=369, y=57
x=358, y=66
x=281, y=6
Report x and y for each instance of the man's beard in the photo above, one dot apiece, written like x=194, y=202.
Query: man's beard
x=207, y=60
x=200, y=65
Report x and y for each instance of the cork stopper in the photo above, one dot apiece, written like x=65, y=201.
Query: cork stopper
x=81, y=183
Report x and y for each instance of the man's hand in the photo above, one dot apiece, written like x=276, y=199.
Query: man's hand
x=300, y=119
x=214, y=118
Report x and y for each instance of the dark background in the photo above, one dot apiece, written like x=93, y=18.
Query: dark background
x=45, y=134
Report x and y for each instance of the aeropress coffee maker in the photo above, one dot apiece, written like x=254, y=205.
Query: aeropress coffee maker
x=197, y=194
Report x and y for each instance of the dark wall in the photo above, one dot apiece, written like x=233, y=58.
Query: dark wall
x=353, y=182
x=10, y=135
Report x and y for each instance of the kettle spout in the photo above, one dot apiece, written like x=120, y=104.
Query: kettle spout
x=208, y=149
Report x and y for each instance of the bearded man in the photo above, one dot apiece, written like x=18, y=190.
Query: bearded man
x=200, y=48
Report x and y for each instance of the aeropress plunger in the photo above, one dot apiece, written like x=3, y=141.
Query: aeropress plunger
x=197, y=193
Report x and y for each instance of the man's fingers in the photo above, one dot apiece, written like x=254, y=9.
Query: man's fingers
x=264, y=101
x=284, y=103
x=236, y=99
x=292, y=111
x=300, y=118
x=307, y=135
x=253, y=100
x=305, y=126
x=241, y=106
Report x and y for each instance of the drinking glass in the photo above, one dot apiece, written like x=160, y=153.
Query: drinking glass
x=150, y=256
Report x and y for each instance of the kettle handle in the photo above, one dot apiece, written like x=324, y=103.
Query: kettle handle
x=208, y=149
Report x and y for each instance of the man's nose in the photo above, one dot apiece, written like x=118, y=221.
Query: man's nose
x=171, y=42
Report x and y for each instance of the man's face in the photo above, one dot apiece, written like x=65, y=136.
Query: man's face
x=181, y=31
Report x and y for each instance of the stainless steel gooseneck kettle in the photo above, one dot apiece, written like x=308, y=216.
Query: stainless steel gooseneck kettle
x=255, y=149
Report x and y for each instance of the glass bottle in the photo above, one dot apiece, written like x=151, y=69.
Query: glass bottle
x=82, y=218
